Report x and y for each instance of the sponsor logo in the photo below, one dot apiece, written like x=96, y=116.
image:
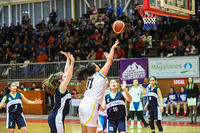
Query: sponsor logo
x=133, y=71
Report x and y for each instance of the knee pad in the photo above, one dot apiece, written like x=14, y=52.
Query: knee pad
x=158, y=123
x=151, y=123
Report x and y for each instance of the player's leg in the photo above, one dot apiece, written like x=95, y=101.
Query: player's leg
x=24, y=130
x=178, y=108
x=191, y=115
x=10, y=123
x=21, y=123
x=122, y=124
x=151, y=120
x=91, y=129
x=83, y=129
x=171, y=108
x=195, y=114
x=139, y=113
x=112, y=126
x=159, y=125
x=10, y=130
x=185, y=108
x=167, y=109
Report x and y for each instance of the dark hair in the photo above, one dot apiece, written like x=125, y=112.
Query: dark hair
x=83, y=73
x=173, y=89
x=51, y=83
x=6, y=91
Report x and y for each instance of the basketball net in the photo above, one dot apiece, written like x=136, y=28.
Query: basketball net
x=149, y=19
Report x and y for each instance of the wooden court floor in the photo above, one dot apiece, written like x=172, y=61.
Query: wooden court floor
x=73, y=126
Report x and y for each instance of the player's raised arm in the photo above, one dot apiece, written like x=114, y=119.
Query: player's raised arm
x=68, y=73
x=125, y=93
x=109, y=58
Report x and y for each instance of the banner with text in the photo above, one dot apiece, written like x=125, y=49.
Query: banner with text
x=175, y=67
x=133, y=69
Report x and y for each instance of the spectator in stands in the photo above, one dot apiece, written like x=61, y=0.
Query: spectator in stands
x=25, y=20
x=91, y=55
x=162, y=49
x=99, y=53
x=147, y=39
x=53, y=16
x=182, y=100
x=130, y=51
x=180, y=49
x=171, y=102
x=22, y=87
x=109, y=10
x=119, y=9
x=94, y=10
x=175, y=42
x=33, y=86
x=191, y=49
x=193, y=92
x=42, y=57
x=140, y=47
x=119, y=53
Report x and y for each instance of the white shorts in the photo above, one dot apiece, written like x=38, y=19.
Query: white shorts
x=88, y=112
x=192, y=101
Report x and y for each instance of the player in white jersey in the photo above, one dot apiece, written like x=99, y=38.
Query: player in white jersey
x=102, y=120
x=136, y=92
x=88, y=108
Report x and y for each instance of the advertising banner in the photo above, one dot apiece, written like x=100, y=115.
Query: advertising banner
x=175, y=67
x=133, y=69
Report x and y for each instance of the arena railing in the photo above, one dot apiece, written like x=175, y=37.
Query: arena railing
x=40, y=71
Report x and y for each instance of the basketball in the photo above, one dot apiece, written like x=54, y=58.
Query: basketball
x=118, y=27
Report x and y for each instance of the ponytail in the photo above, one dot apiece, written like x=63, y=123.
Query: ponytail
x=83, y=73
x=51, y=83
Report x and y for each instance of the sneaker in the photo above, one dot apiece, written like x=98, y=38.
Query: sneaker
x=139, y=126
x=176, y=114
x=132, y=125
x=167, y=114
x=184, y=115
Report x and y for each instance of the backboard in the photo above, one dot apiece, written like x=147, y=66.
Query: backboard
x=173, y=8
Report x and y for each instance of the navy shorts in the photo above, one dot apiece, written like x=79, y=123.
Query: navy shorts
x=114, y=125
x=15, y=118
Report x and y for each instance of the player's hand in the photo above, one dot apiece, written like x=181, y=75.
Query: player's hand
x=38, y=101
x=65, y=54
x=161, y=109
x=124, y=84
x=71, y=57
x=2, y=105
x=116, y=44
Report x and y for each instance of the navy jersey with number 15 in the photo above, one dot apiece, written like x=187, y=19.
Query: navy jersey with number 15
x=115, y=107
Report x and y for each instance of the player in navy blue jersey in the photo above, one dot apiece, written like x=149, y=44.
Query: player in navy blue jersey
x=114, y=102
x=154, y=105
x=13, y=103
x=56, y=84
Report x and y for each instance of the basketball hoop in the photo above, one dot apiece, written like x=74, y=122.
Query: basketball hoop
x=149, y=19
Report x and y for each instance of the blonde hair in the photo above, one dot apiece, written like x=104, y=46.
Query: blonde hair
x=51, y=83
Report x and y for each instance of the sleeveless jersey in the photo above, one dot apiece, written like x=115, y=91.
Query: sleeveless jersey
x=61, y=103
x=153, y=97
x=115, y=107
x=14, y=104
x=136, y=93
x=96, y=87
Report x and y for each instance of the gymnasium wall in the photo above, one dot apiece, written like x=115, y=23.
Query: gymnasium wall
x=163, y=84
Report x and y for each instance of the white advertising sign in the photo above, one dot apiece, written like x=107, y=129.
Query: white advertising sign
x=175, y=67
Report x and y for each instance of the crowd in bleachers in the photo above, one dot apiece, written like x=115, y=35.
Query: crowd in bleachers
x=87, y=37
